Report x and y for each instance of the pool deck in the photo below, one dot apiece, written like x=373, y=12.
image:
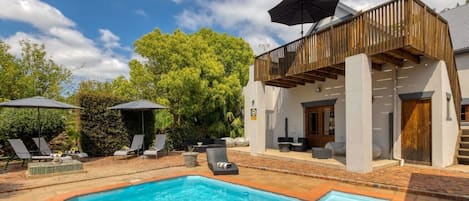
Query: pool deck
x=295, y=178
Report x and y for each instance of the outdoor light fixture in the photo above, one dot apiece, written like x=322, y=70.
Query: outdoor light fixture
x=318, y=90
x=252, y=102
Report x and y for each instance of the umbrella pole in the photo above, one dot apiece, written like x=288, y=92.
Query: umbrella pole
x=302, y=20
x=39, y=128
x=143, y=130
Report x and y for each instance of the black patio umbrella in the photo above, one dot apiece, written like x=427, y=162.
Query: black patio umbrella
x=139, y=105
x=293, y=12
x=38, y=102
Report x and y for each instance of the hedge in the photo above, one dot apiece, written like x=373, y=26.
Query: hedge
x=104, y=131
x=22, y=123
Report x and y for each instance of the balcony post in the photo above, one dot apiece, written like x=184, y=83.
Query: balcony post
x=358, y=113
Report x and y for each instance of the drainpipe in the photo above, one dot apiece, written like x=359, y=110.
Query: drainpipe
x=395, y=116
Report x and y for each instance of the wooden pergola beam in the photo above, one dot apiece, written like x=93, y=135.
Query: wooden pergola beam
x=406, y=55
x=293, y=80
x=323, y=74
x=305, y=78
x=275, y=84
x=389, y=59
x=332, y=71
x=281, y=82
x=314, y=77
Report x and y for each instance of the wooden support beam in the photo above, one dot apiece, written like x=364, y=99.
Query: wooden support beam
x=314, y=77
x=277, y=84
x=389, y=59
x=406, y=55
x=293, y=80
x=304, y=78
x=281, y=82
x=332, y=71
x=323, y=74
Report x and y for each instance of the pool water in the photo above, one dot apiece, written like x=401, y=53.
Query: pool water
x=184, y=188
x=341, y=196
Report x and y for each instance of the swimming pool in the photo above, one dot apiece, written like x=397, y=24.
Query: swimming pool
x=341, y=196
x=184, y=188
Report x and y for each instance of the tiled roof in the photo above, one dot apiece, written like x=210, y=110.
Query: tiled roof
x=458, y=19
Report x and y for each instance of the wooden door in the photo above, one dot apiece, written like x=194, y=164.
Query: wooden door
x=319, y=125
x=416, y=129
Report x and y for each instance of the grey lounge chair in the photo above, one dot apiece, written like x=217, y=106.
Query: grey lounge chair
x=45, y=149
x=23, y=153
x=137, y=144
x=218, y=154
x=160, y=142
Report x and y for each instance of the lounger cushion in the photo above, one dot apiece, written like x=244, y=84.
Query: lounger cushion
x=222, y=171
x=122, y=152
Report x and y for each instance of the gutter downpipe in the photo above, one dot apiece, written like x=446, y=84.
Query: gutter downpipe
x=395, y=116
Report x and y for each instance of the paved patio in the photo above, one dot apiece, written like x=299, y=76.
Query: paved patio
x=306, y=180
x=337, y=162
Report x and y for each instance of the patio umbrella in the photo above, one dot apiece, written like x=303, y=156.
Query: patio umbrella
x=38, y=102
x=293, y=12
x=139, y=105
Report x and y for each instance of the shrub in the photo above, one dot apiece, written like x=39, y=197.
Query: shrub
x=102, y=131
x=22, y=123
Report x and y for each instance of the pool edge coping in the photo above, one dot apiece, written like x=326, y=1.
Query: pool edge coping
x=313, y=194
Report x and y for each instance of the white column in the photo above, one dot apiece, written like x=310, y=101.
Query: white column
x=261, y=118
x=358, y=121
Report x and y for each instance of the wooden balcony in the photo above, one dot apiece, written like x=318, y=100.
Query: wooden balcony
x=394, y=32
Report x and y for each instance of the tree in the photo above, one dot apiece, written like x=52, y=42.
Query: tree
x=199, y=76
x=30, y=75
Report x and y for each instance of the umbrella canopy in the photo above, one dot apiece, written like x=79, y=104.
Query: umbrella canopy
x=293, y=12
x=137, y=105
x=38, y=102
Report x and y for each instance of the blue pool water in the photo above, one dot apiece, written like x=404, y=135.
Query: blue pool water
x=184, y=188
x=340, y=196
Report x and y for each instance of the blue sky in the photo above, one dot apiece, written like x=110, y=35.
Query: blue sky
x=94, y=38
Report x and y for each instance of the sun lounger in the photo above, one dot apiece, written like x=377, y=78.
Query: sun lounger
x=137, y=144
x=217, y=155
x=23, y=153
x=159, y=145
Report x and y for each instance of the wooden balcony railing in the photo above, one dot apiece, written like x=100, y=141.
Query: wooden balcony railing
x=390, y=33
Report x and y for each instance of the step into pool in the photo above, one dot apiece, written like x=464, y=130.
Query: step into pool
x=341, y=196
x=185, y=188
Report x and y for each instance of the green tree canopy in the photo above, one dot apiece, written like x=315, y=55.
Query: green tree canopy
x=199, y=76
x=31, y=74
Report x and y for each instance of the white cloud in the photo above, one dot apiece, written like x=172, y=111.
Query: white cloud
x=65, y=44
x=109, y=39
x=252, y=22
x=36, y=13
x=141, y=12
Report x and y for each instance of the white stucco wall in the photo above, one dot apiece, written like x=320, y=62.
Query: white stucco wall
x=430, y=76
x=280, y=103
x=462, y=62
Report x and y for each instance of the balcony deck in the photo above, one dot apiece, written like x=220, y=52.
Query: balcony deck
x=392, y=33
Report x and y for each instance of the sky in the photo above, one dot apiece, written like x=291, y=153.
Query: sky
x=94, y=38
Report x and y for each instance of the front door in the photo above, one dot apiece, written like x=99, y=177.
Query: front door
x=416, y=131
x=319, y=125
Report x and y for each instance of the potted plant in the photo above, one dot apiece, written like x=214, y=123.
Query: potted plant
x=190, y=157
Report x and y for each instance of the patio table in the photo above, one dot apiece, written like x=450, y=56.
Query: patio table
x=284, y=146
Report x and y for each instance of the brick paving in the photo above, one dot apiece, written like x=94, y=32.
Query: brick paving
x=424, y=181
x=417, y=179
